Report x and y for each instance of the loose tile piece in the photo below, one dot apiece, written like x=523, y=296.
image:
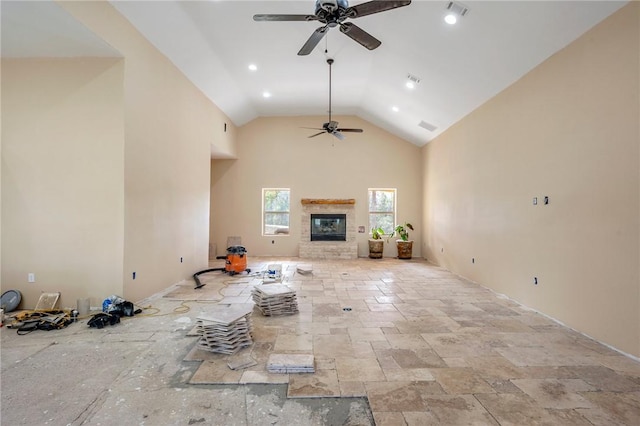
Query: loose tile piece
x=290, y=363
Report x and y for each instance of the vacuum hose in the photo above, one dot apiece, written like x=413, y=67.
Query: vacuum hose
x=195, y=276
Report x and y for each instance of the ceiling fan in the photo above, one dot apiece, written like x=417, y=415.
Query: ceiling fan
x=333, y=13
x=331, y=127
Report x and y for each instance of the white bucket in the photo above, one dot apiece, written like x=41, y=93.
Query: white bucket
x=83, y=307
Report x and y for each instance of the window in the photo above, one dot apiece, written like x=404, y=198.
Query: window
x=382, y=209
x=275, y=211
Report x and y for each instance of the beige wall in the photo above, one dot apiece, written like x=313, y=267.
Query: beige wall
x=276, y=153
x=169, y=129
x=62, y=177
x=568, y=130
x=83, y=210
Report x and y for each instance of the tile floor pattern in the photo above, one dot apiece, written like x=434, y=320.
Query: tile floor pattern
x=425, y=347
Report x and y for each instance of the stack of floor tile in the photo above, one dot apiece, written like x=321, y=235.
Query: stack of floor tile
x=290, y=363
x=225, y=328
x=275, y=299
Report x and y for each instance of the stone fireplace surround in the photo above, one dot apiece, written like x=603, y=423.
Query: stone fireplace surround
x=328, y=249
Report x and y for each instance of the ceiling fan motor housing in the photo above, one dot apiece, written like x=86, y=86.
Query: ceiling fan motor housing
x=331, y=5
x=331, y=126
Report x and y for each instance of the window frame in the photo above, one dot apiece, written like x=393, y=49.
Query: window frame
x=393, y=212
x=265, y=212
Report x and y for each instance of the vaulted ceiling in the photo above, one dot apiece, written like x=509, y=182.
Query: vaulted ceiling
x=459, y=67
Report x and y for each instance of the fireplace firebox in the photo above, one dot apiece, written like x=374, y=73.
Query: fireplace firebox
x=329, y=227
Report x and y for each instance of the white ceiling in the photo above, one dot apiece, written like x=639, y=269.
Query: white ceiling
x=460, y=67
x=43, y=29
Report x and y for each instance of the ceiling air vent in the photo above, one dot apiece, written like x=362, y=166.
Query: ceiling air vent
x=457, y=8
x=413, y=78
x=428, y=126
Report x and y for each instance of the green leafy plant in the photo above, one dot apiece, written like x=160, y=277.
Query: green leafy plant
x=377, y=233
x=403, y=231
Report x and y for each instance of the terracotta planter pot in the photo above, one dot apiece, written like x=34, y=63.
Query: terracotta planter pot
x=405, y=249
x=376, y=247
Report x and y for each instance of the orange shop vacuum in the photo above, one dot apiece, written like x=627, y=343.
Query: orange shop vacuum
x=235, y=263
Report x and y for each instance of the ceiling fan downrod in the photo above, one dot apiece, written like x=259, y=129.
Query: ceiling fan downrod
x=330, y=62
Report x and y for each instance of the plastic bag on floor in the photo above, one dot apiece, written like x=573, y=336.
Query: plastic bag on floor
x=109, y=304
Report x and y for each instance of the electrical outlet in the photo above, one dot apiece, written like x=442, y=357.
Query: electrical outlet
x=535, y=201
x=31, y=277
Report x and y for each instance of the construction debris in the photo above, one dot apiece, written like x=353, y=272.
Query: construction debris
x=27, y=321
x=272, y=274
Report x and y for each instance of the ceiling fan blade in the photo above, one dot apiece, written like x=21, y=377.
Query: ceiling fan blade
x=338, y=135
x=317, y=134
x=360, y=35
x=311, y=128
x=313, y=40
x=267, y=17
x=350, y=130
x=371, y=7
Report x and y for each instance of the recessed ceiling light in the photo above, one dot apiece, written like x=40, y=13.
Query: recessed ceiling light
x=410, y=84
x=450, y=19
x=395, y=108
x=266, y=94
x=253, y=67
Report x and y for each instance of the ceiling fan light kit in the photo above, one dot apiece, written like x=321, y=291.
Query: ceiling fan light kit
x=333, y=13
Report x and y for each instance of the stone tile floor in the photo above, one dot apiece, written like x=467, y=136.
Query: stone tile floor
x=423, y=345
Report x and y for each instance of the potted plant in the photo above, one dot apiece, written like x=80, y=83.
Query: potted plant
x=376, y=244
x=405, y=246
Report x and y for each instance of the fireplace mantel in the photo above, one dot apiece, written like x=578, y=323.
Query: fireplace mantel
x=333, y=201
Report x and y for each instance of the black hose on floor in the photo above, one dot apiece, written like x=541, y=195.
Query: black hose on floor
x=195, y=276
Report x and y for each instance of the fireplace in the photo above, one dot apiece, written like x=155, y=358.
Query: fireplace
x=328, y=227
x=330, y=245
